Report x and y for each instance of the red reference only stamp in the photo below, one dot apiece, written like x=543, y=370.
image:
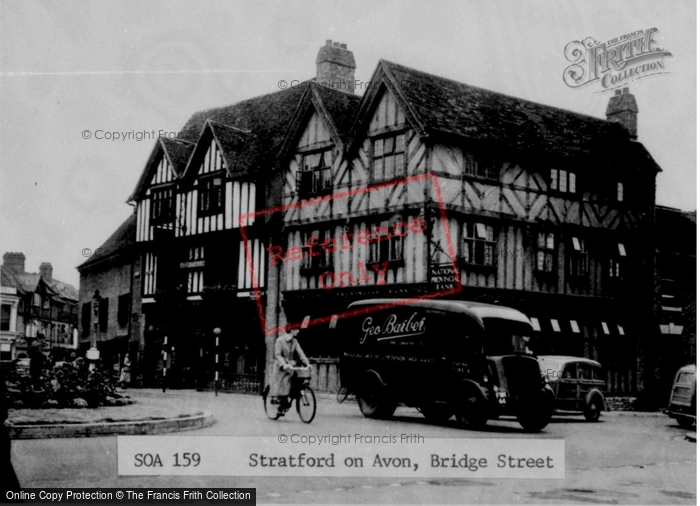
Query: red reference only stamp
x=369, y=272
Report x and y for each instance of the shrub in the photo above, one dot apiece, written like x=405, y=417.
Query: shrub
x=67, y=386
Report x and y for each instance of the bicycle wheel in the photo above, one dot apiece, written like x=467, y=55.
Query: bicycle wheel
x=306, y=404
x=270, y=409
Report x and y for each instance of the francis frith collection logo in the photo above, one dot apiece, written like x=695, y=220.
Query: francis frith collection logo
x=614, y=63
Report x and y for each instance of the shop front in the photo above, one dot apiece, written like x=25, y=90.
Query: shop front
x=219, y=332
x=598, y=328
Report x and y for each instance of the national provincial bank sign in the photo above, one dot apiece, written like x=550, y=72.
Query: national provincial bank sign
x=444, y=276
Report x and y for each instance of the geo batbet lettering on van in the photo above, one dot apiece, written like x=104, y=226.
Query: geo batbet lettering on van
x=392, y=327
x=368, y=273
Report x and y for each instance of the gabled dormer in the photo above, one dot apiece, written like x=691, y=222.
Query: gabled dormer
x=387, y=139
x=156, y=192
x=312, y=154
x=219, y=185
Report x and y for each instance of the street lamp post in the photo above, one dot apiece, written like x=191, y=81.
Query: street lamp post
x=217, y=333
x=93, y=354
x=165, y=363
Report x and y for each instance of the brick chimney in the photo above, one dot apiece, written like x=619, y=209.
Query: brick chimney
x=622, y=109
x=335, y=67
x=14, y=262
x=46, y=271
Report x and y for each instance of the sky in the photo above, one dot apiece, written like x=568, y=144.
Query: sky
x=70, y=67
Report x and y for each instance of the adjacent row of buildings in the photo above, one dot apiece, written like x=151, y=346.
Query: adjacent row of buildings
x=287, y=207
x=35, y=306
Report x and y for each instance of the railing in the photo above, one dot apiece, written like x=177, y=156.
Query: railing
x=238, y=383
x=325, y=376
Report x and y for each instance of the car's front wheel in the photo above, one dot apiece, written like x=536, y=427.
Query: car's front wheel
x=471, y=408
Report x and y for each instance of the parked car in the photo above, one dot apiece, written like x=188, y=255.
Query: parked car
x=681, y=405
x=578, y=385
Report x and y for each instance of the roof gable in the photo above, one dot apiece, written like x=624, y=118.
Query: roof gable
x=316, y=131
x=388, y=113
x=326, y=111
x=222, y=147
x=383, y=93
x=166, y=163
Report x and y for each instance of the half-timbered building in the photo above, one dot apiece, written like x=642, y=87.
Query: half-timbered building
x=442, y=187
x=202, y=287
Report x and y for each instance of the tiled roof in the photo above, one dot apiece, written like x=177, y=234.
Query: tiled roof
x=341, y=107
x=178, y=151
x=64, y=289
x=266, y=118
x=27, y=282
x=122, y=239
x=239, y=148
x=447, y=107
x=8, y=278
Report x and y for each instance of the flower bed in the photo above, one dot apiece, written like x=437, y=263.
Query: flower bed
x=70, y=385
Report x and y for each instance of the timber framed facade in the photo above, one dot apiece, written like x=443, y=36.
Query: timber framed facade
x=538, y=208
x=390, y=194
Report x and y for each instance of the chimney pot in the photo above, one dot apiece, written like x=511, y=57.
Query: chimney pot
x=329, y=42
x=14, y=262
x=335, y=67
x=46, y=271
x=622, y=109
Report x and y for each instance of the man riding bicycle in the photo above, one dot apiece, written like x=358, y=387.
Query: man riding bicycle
x=288, y=354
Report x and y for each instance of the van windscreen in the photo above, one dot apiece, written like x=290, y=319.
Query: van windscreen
x=503, y=337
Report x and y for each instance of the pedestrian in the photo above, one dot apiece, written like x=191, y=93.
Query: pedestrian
x=36, y=361
x=288, y=354
x=125, y=376
x=164, y=367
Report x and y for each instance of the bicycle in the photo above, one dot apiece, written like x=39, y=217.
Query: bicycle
x=300, y=392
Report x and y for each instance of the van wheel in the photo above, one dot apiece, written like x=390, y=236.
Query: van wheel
x=686, y=422
x=535, y=411
x=592, y=412
x=374, y=398
x=471, y=409
x=437, y=411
